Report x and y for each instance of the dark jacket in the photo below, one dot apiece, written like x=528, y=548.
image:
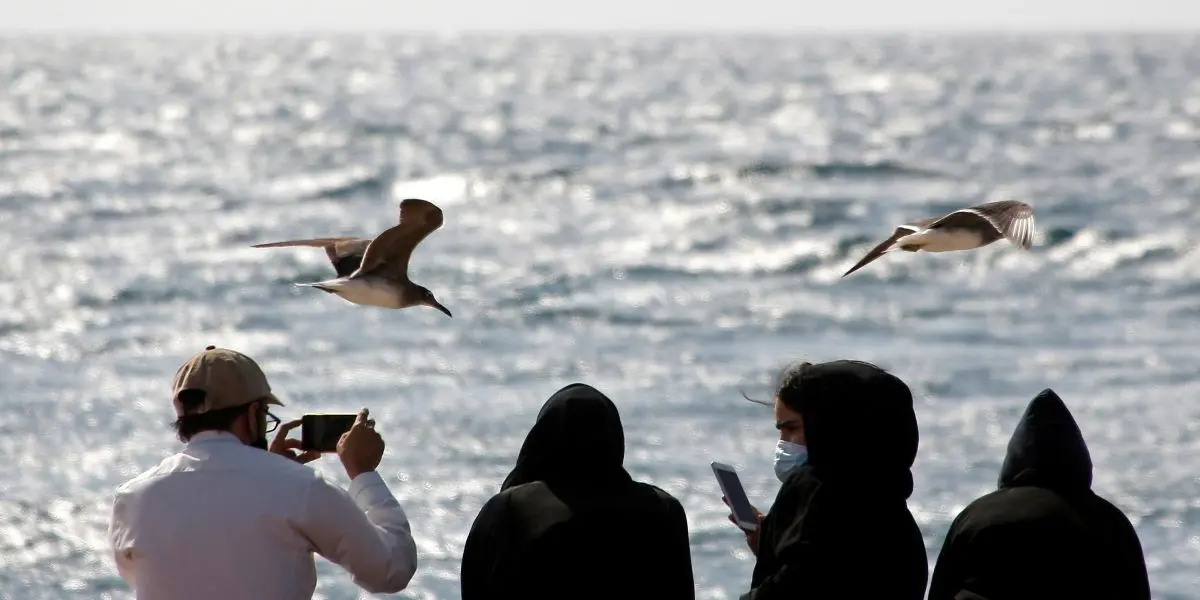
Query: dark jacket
x=840, y=527
x=1043, y=533
x=570, y=523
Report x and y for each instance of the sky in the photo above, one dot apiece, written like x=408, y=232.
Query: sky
x=608, y=15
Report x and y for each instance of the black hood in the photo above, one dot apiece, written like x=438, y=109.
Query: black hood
x=577, y=440
x=1047, y=449
x=859, y=426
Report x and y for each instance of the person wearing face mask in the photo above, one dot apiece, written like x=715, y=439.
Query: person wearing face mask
x=840, y=525
x=232, y=517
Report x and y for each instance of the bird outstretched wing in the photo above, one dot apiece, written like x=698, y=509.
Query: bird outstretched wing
x=1010, y=218
x=882, y=248
x=344, y=253
x=392, y=249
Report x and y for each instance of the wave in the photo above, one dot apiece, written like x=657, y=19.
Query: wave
x=624, y=316
x=334, y=184
x=838, y=169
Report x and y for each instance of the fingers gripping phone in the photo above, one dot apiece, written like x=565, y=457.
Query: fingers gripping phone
x=321, y=431
x=731, y=487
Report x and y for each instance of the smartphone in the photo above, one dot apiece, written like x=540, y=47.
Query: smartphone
x=321, y=431
x=731, y=487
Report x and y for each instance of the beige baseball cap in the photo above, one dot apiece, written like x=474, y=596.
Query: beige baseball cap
x=228, y=378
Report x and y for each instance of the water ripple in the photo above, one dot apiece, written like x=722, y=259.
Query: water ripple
x=666, y=217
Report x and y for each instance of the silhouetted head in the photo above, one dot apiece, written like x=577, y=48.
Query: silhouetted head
x=576, y=441
x=425, y=298
x=1047, y=449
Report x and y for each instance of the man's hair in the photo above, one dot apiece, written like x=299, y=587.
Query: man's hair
x=187, y=425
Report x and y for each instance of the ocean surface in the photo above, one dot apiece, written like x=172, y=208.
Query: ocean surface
x=666, y=218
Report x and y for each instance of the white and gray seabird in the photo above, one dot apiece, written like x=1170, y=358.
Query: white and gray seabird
x=375, y=272
x=963, y=229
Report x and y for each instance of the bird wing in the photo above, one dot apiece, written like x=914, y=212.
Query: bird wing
x=885, y=245
x=392, y=249
x=344, y=253
x=1011, y=218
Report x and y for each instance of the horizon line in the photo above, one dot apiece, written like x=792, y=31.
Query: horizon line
x=575, y=31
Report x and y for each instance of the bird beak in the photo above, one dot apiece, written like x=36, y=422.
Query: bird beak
x=437, y=305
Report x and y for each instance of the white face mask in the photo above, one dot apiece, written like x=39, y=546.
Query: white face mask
x=788, y=457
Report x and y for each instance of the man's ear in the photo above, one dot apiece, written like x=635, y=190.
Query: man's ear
x=258, y=417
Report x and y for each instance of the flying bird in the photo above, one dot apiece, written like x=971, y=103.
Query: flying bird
x=963, y=229
x=375, y=272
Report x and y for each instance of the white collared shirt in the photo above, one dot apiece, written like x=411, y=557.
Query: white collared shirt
x=225, y=520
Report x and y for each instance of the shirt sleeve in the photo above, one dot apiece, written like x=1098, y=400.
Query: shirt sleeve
x=679, y=556
x=809, y=553
x=947, y=577
x=116, y=538
x=486, y=556
x=363, y=530
x=787, y=581
x=1131, y=579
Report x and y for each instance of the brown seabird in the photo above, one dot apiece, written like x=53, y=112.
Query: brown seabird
x=375, y=272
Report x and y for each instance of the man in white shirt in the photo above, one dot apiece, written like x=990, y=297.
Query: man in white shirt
x=225, y=518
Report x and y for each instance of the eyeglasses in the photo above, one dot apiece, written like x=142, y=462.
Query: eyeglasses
x=272, y=422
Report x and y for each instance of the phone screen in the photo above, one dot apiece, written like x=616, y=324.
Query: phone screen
x=321, y=431
x=731, y=485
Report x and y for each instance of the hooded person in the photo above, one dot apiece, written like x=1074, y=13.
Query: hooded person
x=840, y=525
x=1043, y=534
x=570, y=522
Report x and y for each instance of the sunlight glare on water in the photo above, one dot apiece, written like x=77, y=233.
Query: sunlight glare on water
x=666, y=218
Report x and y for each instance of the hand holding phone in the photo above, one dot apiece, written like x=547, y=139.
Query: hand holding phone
x=751, y=536
x=320, y=432
x=286, y=446
x=361, y=448
x=744, y=515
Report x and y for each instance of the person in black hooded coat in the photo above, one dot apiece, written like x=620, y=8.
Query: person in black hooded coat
x=840, y=527
x=1043, y=534
x=569, y=521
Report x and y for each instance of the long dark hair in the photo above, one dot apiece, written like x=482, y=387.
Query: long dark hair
x=787, y=385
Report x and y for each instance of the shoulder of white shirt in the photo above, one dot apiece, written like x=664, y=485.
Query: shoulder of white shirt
x=286, y=467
